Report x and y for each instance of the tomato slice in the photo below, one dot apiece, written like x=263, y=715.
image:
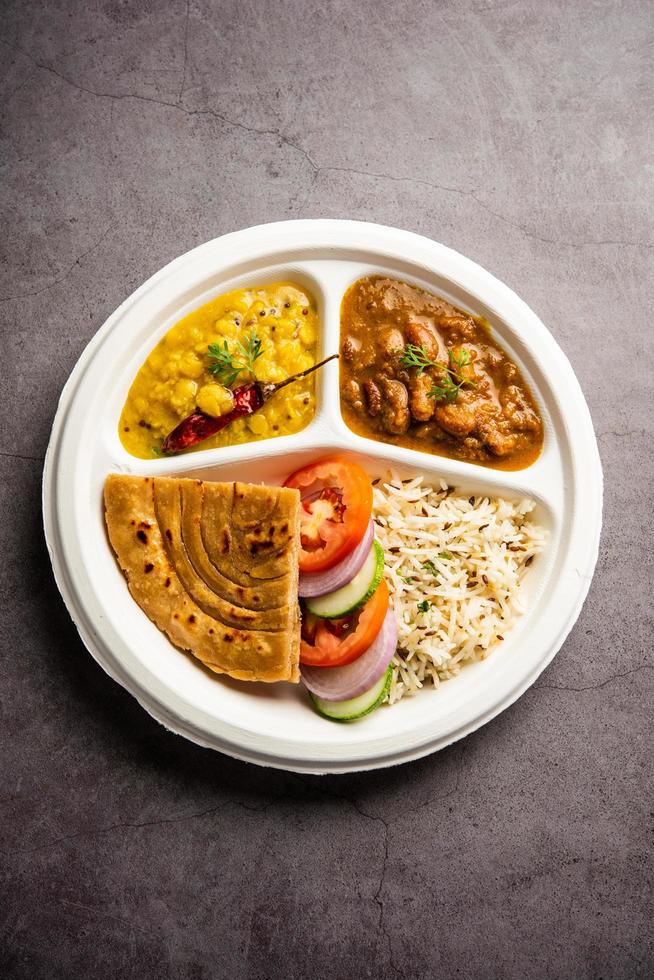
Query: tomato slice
x=334, y=513
x=334, y=642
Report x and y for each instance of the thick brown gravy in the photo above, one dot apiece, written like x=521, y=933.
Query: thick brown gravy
x=418, y=372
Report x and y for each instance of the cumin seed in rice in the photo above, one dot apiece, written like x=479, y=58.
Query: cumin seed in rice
x=477, y=588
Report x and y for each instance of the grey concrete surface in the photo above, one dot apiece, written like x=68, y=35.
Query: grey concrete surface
x=519, y=133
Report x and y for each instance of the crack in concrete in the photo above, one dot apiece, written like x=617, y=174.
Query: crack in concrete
x=377, y=897
x=444, y=796
x=560, y=241
x=183, y=85
x=387, y=825
x=379, y=901
x=98, y=831
x=103, y=914
x=625, y=434
x=325, y=168
x=128, y=825
x=317, y=792
x=312, y=184
x=120, y=96
x=61, y=278
x=14, y=91
x=36, y=459
x=398, y=178
x=593, y=687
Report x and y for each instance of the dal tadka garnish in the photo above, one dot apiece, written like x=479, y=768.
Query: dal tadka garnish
x=215, y=567
x=418, y=372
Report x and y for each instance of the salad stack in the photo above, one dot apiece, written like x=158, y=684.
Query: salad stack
x=349, y=633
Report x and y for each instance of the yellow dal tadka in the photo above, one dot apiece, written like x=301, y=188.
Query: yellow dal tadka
x=175, y=379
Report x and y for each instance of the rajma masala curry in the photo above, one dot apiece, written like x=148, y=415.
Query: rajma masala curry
x=418, y=372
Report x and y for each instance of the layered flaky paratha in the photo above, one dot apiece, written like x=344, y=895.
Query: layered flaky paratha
x=215, y=567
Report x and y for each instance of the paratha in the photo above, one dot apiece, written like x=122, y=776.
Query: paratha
x=215, y=567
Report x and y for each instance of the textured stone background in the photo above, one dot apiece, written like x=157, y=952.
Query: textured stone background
x=519, y=133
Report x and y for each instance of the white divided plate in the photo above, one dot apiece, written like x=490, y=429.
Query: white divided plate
x=274, y=724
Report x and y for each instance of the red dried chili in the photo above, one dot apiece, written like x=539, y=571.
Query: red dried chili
x=247, y=399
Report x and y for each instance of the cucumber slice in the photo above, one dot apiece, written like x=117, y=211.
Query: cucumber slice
x=345, y=600
x=355, y=707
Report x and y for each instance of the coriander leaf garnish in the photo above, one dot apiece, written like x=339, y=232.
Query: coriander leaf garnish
x=429, y=565
x=251, y=350
x=227, y=365
x=416, y=357
x=446, y=391
x=224, y=367
x=461, y=359
x=451, y=381
x=423, y=606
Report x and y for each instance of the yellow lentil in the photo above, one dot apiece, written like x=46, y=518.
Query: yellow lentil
x=257, y=424
x=175, y=377
x=215, y=399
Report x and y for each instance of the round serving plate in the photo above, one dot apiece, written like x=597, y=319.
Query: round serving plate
x=273, y=724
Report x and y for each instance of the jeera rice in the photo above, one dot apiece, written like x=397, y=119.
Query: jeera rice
x=454, y=566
